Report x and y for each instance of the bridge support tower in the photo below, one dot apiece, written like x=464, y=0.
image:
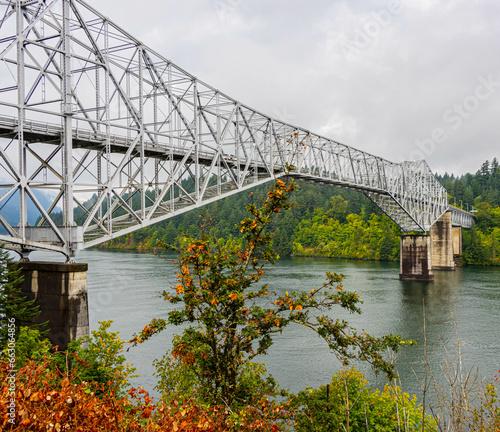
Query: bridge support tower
x=415, y=258
x=422, y=254
x=60, y=289
x=457, y=240
x=442, y=243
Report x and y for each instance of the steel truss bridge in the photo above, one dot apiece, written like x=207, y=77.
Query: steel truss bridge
x=101, y=136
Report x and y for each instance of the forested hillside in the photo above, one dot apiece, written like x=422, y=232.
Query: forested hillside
x=227, y=213
x=481, y=244
x=473, y=189
x=332, y=222
x=334, y=232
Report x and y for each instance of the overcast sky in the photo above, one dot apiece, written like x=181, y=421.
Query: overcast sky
x=400, y=79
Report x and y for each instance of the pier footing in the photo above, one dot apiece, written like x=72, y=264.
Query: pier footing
x=415, y=258
x=60, y=290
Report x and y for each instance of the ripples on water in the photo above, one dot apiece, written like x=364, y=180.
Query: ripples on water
x=125, y=287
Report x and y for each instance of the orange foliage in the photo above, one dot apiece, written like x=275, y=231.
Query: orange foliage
x=47, y=399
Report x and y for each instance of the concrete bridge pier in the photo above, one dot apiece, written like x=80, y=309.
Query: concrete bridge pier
x=442, y=243
x=457, y=240
x=422, y=254
x=60, y=289
x=415, y=258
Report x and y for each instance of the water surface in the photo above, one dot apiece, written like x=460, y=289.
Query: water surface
x=459, y=306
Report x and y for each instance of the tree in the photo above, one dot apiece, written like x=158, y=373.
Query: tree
x=170, y=233
x=458, y=191
x=16, y=310
x=102, y=361
x=469, y=196
x=484, y=172
x=386, y=247
x=338, y=208
x=282, y=244
x=474, y=252
x=228, y=320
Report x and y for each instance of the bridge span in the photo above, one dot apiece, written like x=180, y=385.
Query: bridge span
x=116, y=137
x=100, y=136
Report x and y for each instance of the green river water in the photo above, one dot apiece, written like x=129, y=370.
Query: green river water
x=463, y=306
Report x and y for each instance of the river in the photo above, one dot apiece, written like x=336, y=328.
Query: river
x=460, y=306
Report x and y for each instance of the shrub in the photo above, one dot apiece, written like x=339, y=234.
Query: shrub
x=350, y=405
x=30, y=345
x=101, y=361
x=178, y=380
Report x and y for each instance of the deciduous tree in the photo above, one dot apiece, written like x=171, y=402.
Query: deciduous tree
x=230, y=318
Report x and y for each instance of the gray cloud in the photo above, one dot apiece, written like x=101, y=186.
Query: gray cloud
x=385, y=95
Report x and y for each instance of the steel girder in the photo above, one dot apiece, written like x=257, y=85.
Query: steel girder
x=120, y=138
x=461, y=218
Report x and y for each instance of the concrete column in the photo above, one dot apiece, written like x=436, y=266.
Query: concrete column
x=442, y=243
x=457, y=240
x=61, y=292
x=415, y=258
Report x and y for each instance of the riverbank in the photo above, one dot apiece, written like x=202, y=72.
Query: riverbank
x=306, y=253
x=315, y=253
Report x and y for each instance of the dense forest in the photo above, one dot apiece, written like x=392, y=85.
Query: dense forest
x=225, y=215
x=332, y=222
x=480, y=191
x=473, y=189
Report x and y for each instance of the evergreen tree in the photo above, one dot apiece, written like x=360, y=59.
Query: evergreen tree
x=458, y=191
x=282, y=244
x=386, y=247
x=469, y=196
x=484, y=172
x=14, y=306
x=495, y=166
x=338, y=208
x=474, y=252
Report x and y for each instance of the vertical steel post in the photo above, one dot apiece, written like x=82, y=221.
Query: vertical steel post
x=141, y=132
x=218, y=143
x=237, y=144
x=107, y=117
x=197, y=169
x=129, y=124
x=67, y=117
x=98, y=130
x=23, y=216
x=171, y=115
x=155, y=128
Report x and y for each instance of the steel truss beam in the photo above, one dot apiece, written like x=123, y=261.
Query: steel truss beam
x=120, y=138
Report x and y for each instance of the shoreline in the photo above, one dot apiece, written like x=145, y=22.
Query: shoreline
x=458, y=260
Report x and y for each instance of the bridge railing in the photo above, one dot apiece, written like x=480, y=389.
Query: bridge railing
x=460, y=217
